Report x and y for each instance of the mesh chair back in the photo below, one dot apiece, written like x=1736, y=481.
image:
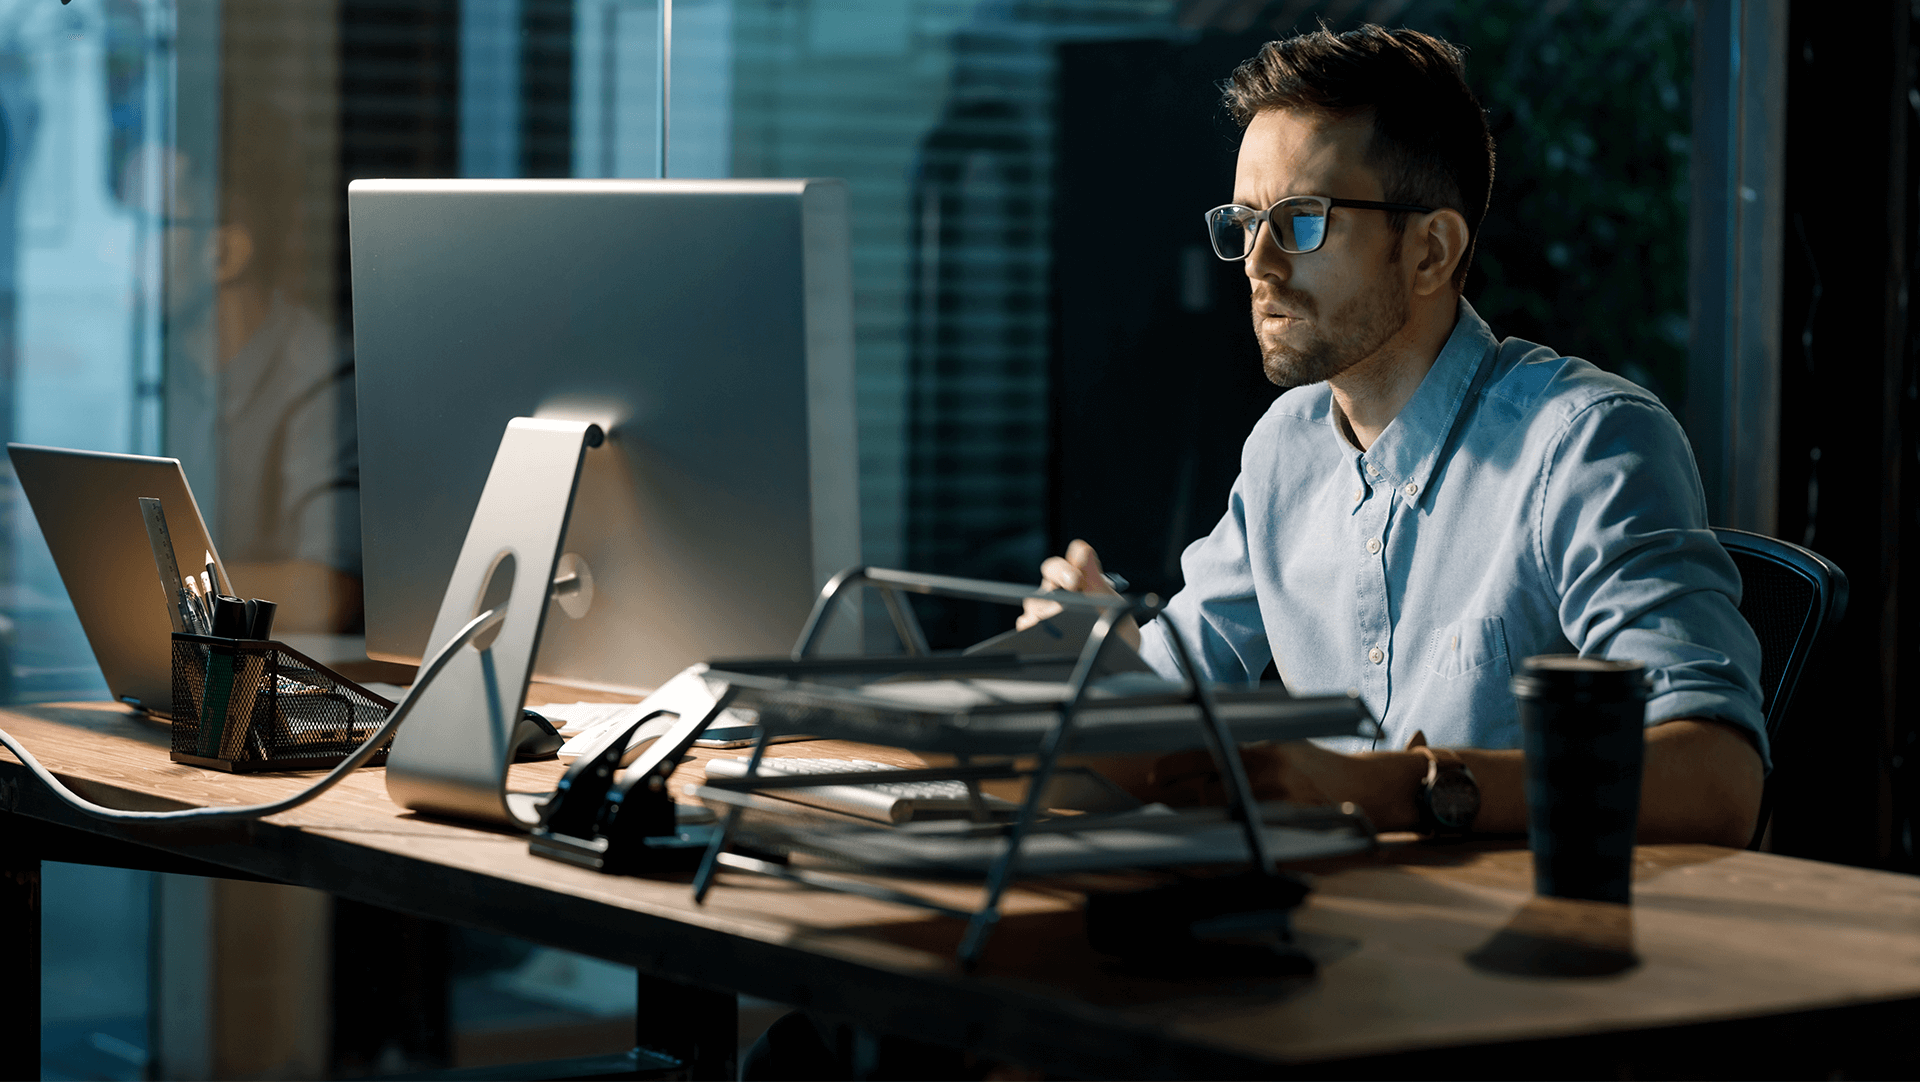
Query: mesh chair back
x=1789, y=596
x=1779, y=603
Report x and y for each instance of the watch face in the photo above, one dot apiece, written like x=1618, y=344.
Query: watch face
x=1455, y=799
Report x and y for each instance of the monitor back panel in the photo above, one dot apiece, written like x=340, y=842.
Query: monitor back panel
x=88, y=507
x=706, y=324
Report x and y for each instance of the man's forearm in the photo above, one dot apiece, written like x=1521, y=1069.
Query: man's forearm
x=1702, y=783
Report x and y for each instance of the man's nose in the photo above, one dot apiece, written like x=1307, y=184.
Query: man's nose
x=1266, y=262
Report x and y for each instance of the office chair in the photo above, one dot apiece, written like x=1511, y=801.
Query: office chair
x=1790, y=596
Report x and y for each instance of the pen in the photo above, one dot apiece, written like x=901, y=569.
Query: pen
x=197, y=609
x=217, y=580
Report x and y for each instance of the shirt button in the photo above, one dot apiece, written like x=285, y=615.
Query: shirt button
x=1373, y=545
x=1359, y=494
x=1376, y=655
x=1412, y=489
x=1372, y=470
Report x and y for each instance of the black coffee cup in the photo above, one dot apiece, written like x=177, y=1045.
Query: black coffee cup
x=1583, y=725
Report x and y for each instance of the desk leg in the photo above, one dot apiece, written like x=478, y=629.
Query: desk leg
x=693, y=1025
x=20, y=919
x=391, y=992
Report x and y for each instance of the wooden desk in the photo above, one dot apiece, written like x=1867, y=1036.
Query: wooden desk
x=1748, y=960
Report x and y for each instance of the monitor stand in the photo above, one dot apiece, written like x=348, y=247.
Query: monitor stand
x=451, y=756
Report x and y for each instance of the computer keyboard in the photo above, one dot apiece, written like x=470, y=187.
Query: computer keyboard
x=588, y=726
x=887, y=802
x=576, y=718
x=905, y=790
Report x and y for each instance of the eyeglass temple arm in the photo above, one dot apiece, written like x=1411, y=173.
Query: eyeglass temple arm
x=1368, y=204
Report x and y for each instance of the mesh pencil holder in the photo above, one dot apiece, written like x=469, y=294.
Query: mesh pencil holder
x=248, y=705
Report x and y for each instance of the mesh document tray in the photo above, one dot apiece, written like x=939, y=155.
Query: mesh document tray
x=974, y=713
x=250, y=705
x=1023, y=700
x=962, y=707
x=1153, y=837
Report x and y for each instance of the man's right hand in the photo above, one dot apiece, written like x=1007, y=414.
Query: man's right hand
x=1078, y=571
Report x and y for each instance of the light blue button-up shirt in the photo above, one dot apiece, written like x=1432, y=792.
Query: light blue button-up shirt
x=1521, y=503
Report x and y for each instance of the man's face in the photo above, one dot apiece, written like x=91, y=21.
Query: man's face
x=1318, y=314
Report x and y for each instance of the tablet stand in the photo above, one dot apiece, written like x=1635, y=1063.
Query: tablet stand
x=451, y=757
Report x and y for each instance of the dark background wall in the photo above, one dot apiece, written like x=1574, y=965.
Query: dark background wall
x=1846, y=770
x=1156, y=377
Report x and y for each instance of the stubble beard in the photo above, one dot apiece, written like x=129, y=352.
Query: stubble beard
x=1355, y=332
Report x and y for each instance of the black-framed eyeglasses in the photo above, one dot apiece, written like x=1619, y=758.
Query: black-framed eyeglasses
x=1298, y=222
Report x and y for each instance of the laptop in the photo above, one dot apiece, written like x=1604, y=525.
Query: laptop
x=87, y=504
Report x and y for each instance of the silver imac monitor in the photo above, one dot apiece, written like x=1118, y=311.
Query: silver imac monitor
x=706, y=325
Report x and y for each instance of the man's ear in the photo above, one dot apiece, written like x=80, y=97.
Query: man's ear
x=1440, y=243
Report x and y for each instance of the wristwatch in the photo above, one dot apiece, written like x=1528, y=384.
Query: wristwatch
x=1448, y=798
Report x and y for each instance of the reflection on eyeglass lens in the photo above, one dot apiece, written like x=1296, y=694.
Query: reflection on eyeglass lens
x=1308, y=231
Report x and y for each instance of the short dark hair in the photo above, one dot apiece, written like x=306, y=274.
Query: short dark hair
x=1430, y=142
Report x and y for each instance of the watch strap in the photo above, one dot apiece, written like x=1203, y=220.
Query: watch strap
x=1446, y=772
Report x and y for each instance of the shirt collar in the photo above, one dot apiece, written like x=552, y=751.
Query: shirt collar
x=1409, y=449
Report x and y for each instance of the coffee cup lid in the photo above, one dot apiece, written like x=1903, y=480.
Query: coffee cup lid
x=1580, y=675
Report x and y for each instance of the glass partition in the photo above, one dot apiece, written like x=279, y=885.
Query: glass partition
x=84, y=167
x=85, y=170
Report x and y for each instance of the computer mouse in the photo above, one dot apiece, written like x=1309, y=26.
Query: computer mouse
x=535, y=739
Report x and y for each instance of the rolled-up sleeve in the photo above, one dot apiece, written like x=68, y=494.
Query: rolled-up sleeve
x=1625, y=546
x=1216, y=613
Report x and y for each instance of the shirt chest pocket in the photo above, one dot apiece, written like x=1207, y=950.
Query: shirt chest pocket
x=1476, y=648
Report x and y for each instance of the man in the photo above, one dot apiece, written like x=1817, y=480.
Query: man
x=289, y=511
x=1426, y=505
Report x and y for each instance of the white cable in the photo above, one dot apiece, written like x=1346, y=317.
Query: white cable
x=257, y=811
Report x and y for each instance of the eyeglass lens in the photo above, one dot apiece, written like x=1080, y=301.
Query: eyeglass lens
x=1303, y=226
x=1299, y=226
